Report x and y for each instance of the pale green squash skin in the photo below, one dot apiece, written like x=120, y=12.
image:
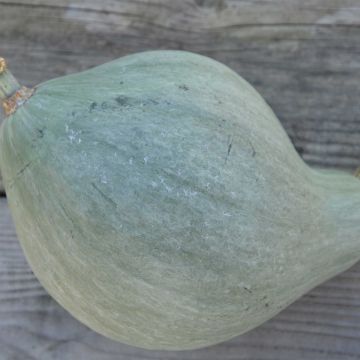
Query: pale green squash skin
x=139, y=217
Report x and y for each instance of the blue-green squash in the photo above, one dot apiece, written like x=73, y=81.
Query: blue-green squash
x=158, y=199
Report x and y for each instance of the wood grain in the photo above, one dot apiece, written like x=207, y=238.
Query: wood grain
x=304, y=59
x=302, y=56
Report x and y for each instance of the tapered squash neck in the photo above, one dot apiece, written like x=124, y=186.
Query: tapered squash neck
x=342, y=204
x=357, y=173
x=12, y=94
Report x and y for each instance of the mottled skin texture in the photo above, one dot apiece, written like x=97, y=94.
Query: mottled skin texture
x=158, y=199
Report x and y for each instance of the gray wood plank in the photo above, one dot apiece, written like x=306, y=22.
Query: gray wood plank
x=302, y=56
x=304, y=59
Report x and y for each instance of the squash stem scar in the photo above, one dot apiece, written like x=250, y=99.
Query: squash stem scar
x=12, y=94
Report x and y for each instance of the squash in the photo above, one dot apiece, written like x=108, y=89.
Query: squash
x=158, y=199
x=2, y=190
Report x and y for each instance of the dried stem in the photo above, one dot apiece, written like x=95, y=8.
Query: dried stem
x=12, y=94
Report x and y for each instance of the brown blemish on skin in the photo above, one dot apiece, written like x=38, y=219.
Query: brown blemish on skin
x=230, y=141
x=122, y=100
x=23, y=168
x=107, y=198
x=40, y=132
x=229, y=148
x=184, y=87
x=253, y=152
x=93, y=106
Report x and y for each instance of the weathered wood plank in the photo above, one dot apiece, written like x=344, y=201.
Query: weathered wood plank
x=304, y=59
x=302, y=56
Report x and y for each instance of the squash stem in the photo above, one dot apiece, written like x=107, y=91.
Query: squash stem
x=12, y=94
x=8, y=84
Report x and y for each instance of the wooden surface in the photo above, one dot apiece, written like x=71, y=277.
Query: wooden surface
x=303, y=57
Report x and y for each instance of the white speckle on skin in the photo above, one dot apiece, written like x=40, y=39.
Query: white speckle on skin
x=227, y=214
x=131, y=161
x=189, y=193
x=167, y=187
x=40, y=106
x=146, y=158
x=103, y=179
x=73, y=135
x=154, y=184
